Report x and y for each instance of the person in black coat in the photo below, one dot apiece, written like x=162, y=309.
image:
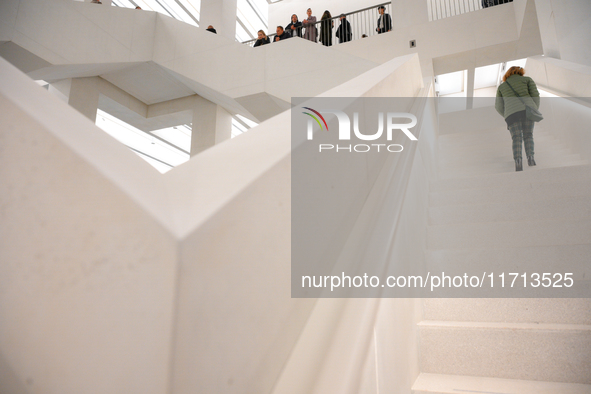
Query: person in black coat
x=281, y=35
x=326, y=27
x=344, y=32
x=211, y=29
x=490, y=3
x=262, y=39
x=294, y=29
x=384, y=21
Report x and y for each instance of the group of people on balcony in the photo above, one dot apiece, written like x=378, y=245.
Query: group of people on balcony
x=490, y=3
x=137, y=7
x=307, y=28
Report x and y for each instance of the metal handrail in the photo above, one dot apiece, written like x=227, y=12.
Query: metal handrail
x=440, y=9
x=437, y=9
x=357, y=33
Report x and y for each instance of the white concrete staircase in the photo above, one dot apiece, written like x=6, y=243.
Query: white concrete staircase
x=482, y=210
x=489, y=152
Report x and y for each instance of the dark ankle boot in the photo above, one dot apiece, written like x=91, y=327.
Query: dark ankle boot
x=531, y=161
x=518, y=165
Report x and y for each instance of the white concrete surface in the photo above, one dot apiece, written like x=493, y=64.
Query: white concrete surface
x=84, y=96
x=521, y=258
x=196, y=296
x=128, y=48
x=566, y=118
x=484, y=215
x=189, y=60
x=573, y=207
x=512, y=310
x=87, y=277
x=510, y=234
x=495, y=180
x=211, y=125
x=221, y=14
x=542, y=352
x=447, y=384
x=564, y=28
x=462, y=42
x=216, y=258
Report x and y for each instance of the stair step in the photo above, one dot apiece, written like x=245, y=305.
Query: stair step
x=451, y=141
x=454, y=384
x=549, y=258
x=509, y=234
x=514, y=310
x=540, y=352
x=477, y=128
x=455, y=119
x=506, y=326
x=497, y=144
x=578, y=173
x=493, y=136
x=508, y=168
x=544, y=208
x=548, y=159
x=484, y=216
x=516, y=192
x=485, y=155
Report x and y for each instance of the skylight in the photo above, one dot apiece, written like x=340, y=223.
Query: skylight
x=165, y=148
x=251, y=15
x=161, y=153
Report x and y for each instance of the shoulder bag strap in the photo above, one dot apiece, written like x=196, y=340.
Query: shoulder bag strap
x=516, y=94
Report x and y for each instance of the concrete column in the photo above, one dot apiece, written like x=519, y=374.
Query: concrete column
x=84, y=96
x=470, y=88
x=211, y=125
x=61, y=89
x=221, y=14
x=80, y=93
x=547, y=24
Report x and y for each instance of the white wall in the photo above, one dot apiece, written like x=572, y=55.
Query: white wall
x=566, y=119
x=560, y=76
x=114, y=277
x=280, y=12
x=461, y=42
x=565, y=29
x=88, y=273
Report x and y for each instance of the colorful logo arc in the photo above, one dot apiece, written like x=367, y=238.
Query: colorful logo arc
x=315, y=118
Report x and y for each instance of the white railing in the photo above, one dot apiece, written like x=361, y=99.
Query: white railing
x=363, y=23
x=439, y=9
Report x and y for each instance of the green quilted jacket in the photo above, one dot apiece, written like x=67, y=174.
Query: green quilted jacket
x=507, y=103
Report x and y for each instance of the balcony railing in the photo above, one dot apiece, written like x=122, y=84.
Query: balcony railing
x=363, y=22
x=439, y=9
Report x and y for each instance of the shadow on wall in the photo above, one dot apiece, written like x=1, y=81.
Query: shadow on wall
x=9, y=381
